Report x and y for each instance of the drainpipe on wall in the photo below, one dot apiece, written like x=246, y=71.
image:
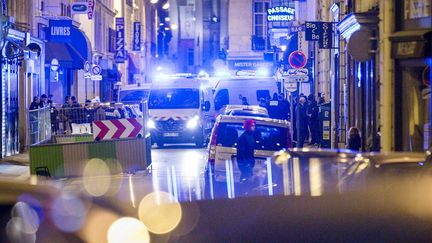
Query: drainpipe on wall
x=386, y=76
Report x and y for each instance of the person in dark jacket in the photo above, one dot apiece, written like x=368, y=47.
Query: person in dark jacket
x=245, y=150
x=44, y=101
x=244, y=101
x=354, y=139
x=35, y=104
x=313, y=111
x=302, y=121
x=273, y=107
x=284, y=107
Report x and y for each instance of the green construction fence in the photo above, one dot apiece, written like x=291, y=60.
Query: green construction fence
x=66, y=156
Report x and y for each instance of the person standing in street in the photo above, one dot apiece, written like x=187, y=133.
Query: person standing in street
x=302, y=122
x=313, y=119
x=245, y=150
x=354, y=139
x=66, y=114
x=35, y=104
x=244, y=101
x=284, y=107
x=99, y=112
x=273, y=107
x=44, y=101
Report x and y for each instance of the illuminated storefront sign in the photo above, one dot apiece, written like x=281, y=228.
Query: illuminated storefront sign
x=282, y=14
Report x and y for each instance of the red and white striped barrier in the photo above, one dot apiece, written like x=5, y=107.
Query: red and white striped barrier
x=117, y=129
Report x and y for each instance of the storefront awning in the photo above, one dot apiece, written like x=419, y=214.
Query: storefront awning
x=72, y=54
x=66, y=54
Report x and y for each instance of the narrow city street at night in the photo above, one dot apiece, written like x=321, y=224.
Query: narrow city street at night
x=215, y=121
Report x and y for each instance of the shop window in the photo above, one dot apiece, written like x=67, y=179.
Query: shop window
x=259, y=24
x=68, y=11
x=62, y=9
x=111, y=40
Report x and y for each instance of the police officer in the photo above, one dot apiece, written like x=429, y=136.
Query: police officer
x=273, y=107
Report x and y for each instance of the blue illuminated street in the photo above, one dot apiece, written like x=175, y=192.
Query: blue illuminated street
x=215, y=121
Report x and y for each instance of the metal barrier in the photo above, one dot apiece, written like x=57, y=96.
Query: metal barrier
x=39, y=125
x=71, y=146
x=79, y=119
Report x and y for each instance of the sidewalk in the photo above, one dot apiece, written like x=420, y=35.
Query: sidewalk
x=19, y=159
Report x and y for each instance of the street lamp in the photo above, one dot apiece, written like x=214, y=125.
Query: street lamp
x=166, y=6
x=154, y=1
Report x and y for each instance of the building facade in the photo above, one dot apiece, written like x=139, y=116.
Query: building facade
x=377, y=76
x=22, y=74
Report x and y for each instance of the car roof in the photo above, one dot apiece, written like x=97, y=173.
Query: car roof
x=247, y=113
x=259, y=120
x=252, y=108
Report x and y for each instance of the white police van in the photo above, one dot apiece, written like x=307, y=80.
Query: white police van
x=181, y=110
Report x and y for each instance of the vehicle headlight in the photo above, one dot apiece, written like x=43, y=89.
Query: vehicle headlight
x=151, y=124
x=193, y=123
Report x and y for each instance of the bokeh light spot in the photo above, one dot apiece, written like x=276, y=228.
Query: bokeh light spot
x=129, y=230
x=160, y=212
x=68, y=213
x=96, y=177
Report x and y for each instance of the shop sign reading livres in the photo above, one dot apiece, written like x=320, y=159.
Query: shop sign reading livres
x=60, y=30
x=282, y=14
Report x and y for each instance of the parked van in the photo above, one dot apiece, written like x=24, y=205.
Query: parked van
x=134, y=94
x=181, y=110
x=229, y=91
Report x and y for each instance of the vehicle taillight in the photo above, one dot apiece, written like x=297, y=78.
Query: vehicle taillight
x=212, y=145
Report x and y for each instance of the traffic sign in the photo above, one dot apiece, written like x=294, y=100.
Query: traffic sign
x=87, y=66
x=96, y=70
x=117, y=129
x=290, y=87
x=297, y=59
x=296, y=72
x=55, y=64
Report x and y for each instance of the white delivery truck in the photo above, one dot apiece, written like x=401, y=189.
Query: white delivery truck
x=181, y=110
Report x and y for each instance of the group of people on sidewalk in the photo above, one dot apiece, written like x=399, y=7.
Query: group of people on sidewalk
x=305, y=115
x=71, y=112
x=306, y=123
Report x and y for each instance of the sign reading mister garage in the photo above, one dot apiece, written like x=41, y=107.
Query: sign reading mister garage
x=280, y=14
